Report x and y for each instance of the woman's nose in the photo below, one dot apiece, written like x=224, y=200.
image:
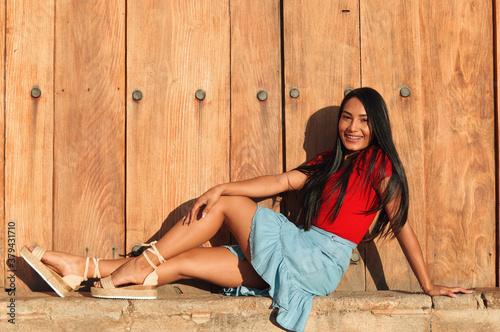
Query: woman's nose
x=353, y=126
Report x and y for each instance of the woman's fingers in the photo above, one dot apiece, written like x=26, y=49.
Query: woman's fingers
x=207, y=208
x=462, y=290
x=448, y=291
x=205, y=201
x=193, y=212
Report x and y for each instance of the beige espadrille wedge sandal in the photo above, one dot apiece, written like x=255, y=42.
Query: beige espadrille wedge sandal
x=61, y=285
x=146, y=291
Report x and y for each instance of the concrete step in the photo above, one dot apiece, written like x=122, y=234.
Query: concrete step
x=203, y=311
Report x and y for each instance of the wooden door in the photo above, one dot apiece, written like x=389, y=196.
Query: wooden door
x=459, y=140
x=91, y=170
x=65, y=147
x=177, y=140
x=89, y=128
x=256, y=128
x=29, y=129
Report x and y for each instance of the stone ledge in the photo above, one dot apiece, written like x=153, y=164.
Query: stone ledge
x=353, y=311
x=491, y=297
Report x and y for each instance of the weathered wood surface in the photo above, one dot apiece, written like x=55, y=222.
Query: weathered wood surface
x=29, y=127
x=459, y=137
x=256, y=134
x=2, y=149
x=321, y=57
x=390, y=60
x=89, y=138
x=497, y=130
x=177, y=146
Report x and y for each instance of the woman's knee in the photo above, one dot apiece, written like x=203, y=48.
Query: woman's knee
x=231, y=205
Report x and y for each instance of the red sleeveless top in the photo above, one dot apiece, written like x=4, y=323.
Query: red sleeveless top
x=352, y=221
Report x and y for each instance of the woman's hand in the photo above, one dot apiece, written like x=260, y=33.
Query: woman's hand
x=435, y=290
x=207, y=200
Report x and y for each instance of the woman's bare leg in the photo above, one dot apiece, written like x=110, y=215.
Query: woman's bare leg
x=234, y=211
x=216, y=265
x=66, y=264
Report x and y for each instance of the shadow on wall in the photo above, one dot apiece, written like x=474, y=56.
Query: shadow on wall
x=321, y=132
x=319, y=136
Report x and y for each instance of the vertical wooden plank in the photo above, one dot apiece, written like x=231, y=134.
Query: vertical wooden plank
x=457, y=81
x=89, y=197
x=390, y=60
x=321, y=58
x=496, y=9
x=177, y=145
x=29, y=127
x=256, y=141
x=2, y=141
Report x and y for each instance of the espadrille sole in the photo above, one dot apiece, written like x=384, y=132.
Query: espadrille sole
x=53, y=279
x=135, y=292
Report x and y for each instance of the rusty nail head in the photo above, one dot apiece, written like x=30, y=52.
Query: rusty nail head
x=200, y=94
x=137, y=95
x=405, y=91
x=346, y=91
x=262, y=95
x=294, y=93
x=136, y=250
x=36, y=92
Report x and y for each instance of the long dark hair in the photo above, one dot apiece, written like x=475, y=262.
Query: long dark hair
x=382, y=144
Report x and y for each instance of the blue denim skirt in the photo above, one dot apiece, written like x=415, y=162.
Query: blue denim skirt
x=296, y=264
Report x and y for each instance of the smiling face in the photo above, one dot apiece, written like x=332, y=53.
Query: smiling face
x=354, y=128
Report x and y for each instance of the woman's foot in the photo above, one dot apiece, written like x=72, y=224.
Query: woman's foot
x=132, y=272
x=63, y=272
x=136, y=270
x=65, y=264
x=140, y=271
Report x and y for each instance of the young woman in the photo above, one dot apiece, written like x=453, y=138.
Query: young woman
x=345, y=189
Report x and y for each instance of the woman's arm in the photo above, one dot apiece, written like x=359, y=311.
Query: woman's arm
x=262, y=186
x=413, y=253
x=411, y=248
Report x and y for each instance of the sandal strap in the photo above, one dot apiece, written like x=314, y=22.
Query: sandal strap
x=155, y=252
x=97, y=273
x=107, y=282
x=86, y=268
x=38, y=252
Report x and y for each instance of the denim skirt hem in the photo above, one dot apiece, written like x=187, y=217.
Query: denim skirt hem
x=296, y=264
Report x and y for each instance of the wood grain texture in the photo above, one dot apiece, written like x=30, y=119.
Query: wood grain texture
x=2, y=148
x=459, y=137
x=321, y=58
x=256, y=135
x=390, y=60
x=29, y=128
x=177, y=146
x=497, y=104
x=89, y=159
